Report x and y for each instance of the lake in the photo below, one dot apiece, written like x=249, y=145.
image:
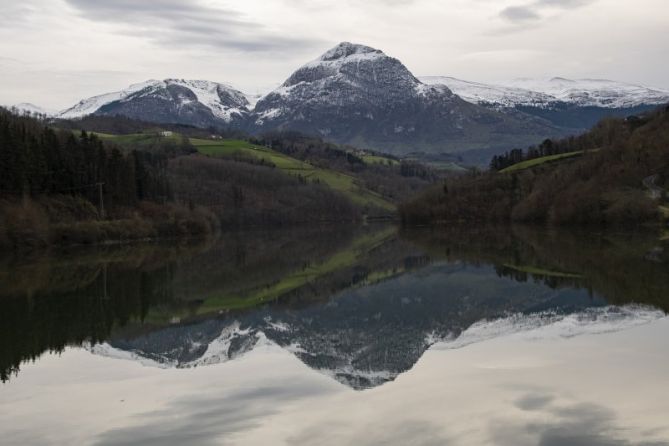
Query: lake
x=366, y=335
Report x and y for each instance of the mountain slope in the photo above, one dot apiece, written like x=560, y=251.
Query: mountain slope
x=193, y=102
x=358, y=95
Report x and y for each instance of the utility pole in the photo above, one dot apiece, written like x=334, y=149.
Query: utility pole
x=102, y=203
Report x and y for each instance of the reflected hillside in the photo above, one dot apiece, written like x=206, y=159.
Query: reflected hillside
x=63, y=299
x=360, y=304
x=622, y=267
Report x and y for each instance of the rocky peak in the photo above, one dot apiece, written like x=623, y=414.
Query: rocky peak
x=346, y=49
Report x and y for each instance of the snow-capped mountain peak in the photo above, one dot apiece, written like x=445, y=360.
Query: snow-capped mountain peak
x=349, y=76
x=198, y=102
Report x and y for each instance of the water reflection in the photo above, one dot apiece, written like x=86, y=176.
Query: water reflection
x=359, y=304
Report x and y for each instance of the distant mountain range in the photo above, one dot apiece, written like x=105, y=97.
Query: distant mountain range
x=572, y=104
x=355, y=94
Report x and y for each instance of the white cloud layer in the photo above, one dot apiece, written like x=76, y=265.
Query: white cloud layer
x=55, y=52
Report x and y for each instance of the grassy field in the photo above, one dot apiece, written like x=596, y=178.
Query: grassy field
x=538, y=161
x=338, y=181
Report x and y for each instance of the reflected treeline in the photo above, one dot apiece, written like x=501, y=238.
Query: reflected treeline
x=622, y=267
x=132, y=294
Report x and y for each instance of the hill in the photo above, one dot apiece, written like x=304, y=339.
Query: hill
x=618, y=173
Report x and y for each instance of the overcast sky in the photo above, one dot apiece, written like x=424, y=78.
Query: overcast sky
x=55, y=52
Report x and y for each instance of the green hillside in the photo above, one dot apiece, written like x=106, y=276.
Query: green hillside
x=338, y=181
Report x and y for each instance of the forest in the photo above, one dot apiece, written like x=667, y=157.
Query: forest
x=619, y=177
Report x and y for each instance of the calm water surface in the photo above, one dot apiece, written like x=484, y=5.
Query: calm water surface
x=335, y=336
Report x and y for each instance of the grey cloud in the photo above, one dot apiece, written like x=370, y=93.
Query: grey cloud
x=533, y=401
x=519, y=13
x=576, y=424
x=388, y=432
x=564, y=4
x=532, y=11
x=188, y=23
x=204, y=420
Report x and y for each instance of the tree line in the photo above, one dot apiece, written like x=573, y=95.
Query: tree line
x=36, y=159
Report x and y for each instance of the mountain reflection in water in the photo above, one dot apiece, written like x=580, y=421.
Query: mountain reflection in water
x=359, y=304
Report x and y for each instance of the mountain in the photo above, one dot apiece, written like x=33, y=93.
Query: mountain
x=576, y=104
x=193, y=102
x=355, y=94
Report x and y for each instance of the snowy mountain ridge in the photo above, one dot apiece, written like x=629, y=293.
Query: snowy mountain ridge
x=546, y=93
